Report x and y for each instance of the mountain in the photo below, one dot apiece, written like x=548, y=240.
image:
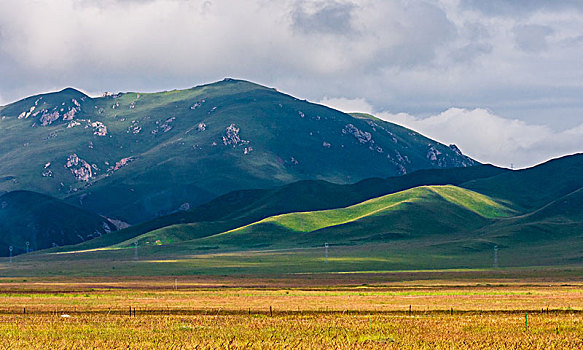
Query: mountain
x=414, y=226
x=549, y=197
x=532, y=188
x=44, y=222
x=239, y=208
x=421, y=211
x=137, y=156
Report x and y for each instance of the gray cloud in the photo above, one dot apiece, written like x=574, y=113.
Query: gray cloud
x=110, y=44
x=422, y=30
x=420, y=57
x=532, y=38
x=328, y=18
x=520, y=7
x=471, y=51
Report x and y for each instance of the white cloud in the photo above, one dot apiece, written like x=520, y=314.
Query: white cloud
x=481, y=134
x=348, y=105
x=492, y=139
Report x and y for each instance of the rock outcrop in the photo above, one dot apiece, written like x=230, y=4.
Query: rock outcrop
x=79, y=168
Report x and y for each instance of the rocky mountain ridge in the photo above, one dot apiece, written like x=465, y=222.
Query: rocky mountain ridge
x=135, y=156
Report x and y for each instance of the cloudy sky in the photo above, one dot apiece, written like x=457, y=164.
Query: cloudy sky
x=503, y=79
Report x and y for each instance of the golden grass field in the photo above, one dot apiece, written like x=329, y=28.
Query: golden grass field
x=316, y=312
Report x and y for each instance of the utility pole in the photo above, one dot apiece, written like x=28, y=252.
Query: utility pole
x=136, y=250
x=495, y=256
x=326, y=249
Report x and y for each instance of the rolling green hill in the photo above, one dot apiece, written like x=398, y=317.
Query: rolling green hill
x=562, y=209
x=283, y=230
x=137, y=156
x=241, y=208
x=423, y=227
x=414, y=212
x=44, y=222
x=532, y=188
x=560, y=221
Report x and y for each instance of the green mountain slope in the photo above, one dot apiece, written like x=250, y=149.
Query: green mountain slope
x=412, y=213
x=44, y=222
x=569, y=207
x=426, y=227
x=532, y=188
x=559, y=221
x=316, y=220
x=415, y=212
x=241, y=208
x=136, y=156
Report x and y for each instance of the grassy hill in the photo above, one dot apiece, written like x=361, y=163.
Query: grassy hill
x=532, y=188
x=427, y=211
x=560, y=221
x=427, y=227
x=403, y=223
x=137, y=156
x=240, y=208
x=414, y=212
x=44, y=222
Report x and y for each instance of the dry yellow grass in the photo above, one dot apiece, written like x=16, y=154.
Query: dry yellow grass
x=317, y=331
x=192, y=313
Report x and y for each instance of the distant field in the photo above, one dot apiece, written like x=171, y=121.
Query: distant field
x=430, y=310
x=437, y=252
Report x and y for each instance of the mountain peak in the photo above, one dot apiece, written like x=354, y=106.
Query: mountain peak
x=238, y=84
x=46, y=109
x=71, y=91
x=176, y=149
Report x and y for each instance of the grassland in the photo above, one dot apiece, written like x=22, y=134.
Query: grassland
x=420, y=211
x=374, y=225
x=316, y=220
x=412, y=310
x=451, y=252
